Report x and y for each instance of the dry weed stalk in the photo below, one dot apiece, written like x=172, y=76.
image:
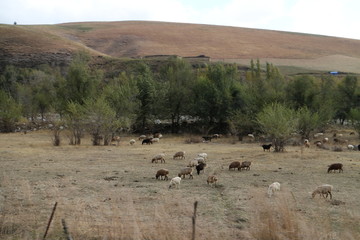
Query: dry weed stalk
x=277, y=219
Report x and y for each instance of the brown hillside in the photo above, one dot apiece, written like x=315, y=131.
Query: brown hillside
x=139, y=38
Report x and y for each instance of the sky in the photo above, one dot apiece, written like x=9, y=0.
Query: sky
x=340, y=18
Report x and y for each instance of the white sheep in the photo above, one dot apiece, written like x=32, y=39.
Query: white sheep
x=158, y=135
x=351, y=147
x=275, y=186
x=251, y=136
x=175, y=182
x=193, y=163
x=200, y=159
x=142, y=137
x=216, y=135
x=307, y=143
x=203, y=155
x=323, y=190
x=132, y=141
x=316, y=135
x=155, y=140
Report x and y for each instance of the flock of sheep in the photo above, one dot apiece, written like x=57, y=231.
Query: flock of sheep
x=199, y=163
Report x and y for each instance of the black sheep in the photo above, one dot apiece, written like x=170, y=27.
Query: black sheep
x=200, y=167
x=146, y=141
x=266, y=147
x=207, y=138
x=335, y=166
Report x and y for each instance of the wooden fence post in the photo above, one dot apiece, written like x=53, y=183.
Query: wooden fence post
x=50, y=219
x=194, y=220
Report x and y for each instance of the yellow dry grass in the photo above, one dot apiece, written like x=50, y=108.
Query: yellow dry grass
x=110, y=192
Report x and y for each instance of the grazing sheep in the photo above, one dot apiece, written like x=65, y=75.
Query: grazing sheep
x=335, y=166
x=142, y=137
x=235, y=164
x=316, y=135
x=318, y=144
x=203, y=155
x=180, y=155
x=158, y=135
x=193, y=163
x=340, y=141
x=155, y=140
x=200, y=167
x=216, y=136
x=175, y=182
x=251, y=136
x=159, y=157
x=116, y=139
x=207, y=138
x=275, y=186
x=146, y=141
x=307, y=143
x=186, y=171
x=325, y=140
x=200, y=159
x=323, y=190
x=162, y=173
x=132, y=141
x=266, y=147
x=245, y=165
x=351, y=147
x=212, y=180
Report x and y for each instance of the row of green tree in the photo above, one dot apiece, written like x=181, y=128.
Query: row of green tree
x=219, y=97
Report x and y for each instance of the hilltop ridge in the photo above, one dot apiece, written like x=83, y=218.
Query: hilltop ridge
x=35, y=44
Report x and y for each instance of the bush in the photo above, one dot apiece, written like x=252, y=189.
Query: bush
x=10, y=112
x=279, y=122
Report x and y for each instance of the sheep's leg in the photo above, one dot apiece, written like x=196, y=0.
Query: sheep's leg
x=330, y=195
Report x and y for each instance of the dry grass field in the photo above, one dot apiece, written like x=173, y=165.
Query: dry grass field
x=110, y=192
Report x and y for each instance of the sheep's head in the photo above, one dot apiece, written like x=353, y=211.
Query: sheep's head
x=313, y=194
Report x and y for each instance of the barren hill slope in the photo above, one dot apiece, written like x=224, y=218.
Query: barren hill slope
x=140, y=38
